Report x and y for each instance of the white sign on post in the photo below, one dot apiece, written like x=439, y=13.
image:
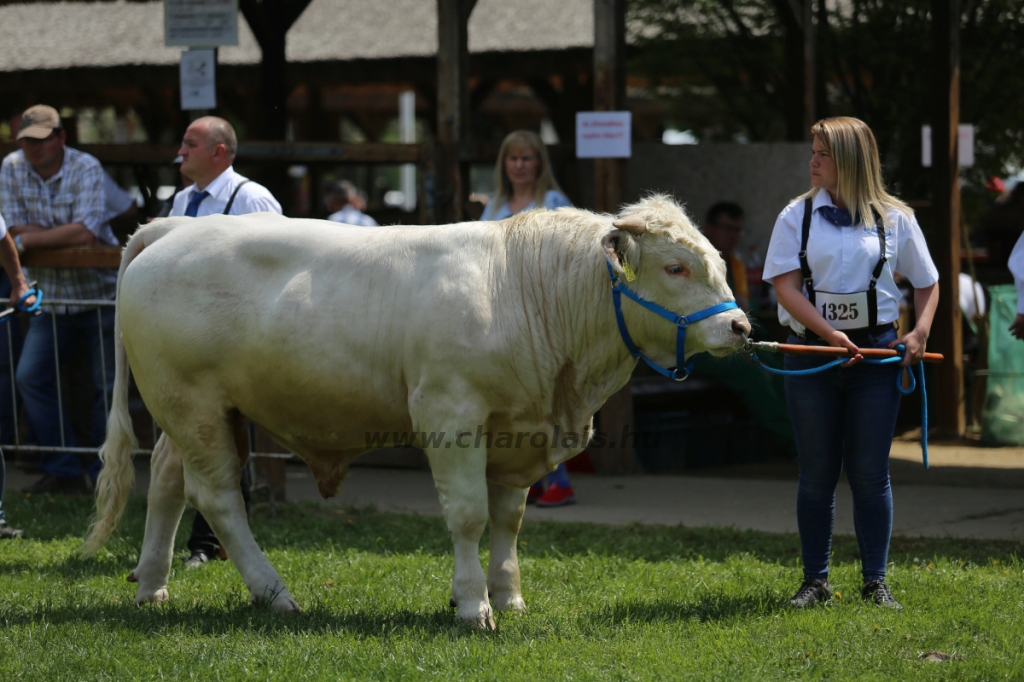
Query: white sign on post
x=198, y=79
x=965, y=145
x=603, y=135
x=200, y=23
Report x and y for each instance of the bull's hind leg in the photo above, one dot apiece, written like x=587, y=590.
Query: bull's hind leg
x=506, y=507
x=459, y=475
x=166, y=503
x=213, y=457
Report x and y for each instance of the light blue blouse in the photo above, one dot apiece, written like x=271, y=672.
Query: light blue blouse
x=552, y=200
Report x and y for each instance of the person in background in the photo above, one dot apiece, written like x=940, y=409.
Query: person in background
x=1016, y=265
x=19, y=287
x=524, y=180
x=723, y=227
x=122, y=212
x=832, y=258
x=1001, y=227
x=207, y=152
x=346, y=206
x=761, y=397
x=53, y=197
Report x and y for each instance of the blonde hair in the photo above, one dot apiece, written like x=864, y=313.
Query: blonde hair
x=545, y=180
x=852, y=145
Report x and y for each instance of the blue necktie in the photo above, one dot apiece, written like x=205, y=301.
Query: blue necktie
x=193, y=203
x=840, y=217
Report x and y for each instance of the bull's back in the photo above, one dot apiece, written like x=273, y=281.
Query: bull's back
x=307, y=327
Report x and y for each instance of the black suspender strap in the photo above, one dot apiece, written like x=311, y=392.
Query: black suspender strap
x=231, y=201
x=876, y=273
x=805, y=267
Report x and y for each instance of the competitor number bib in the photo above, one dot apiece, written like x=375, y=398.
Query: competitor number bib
x=843, y=311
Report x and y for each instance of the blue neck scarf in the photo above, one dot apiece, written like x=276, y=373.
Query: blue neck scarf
x=840, y=217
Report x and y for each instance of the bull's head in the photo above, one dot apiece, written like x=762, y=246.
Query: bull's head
x=672, y=264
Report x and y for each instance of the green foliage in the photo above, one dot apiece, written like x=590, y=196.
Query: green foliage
x=638, y=602
x=720, y=64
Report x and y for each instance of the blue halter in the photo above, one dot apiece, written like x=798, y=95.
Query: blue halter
x=683, y=368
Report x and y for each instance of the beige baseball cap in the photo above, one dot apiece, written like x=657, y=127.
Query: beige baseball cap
x=39, y=122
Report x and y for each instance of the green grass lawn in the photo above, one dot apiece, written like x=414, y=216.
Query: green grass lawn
x=604, y=602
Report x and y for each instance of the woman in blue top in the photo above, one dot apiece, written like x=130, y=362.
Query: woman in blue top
x=524, y=181
x=523, y=178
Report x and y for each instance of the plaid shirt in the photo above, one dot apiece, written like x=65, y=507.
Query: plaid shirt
x=74, y=195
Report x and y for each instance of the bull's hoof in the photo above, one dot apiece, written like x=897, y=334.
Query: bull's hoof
x=131, y=577
x=508, y=602
x=482, y=618
x=285, y=605
x=152, y=598
x=281, y=604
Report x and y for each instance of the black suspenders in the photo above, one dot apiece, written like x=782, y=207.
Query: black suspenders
x=872, y=292
x=805, y=267
x=231, y=201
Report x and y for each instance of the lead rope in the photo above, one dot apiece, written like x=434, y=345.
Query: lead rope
x=899, y=384
x=20, y=306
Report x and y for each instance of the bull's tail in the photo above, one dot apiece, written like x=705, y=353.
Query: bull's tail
x=117, y=476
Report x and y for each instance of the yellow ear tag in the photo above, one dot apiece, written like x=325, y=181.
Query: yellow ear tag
x=630, y=275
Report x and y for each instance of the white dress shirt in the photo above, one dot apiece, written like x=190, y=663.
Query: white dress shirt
x=252, y=198
x=843, y=258
x=1017, y=268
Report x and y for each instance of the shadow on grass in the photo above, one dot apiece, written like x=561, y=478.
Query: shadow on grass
x=213, y=619
x=216, y=620
x=710, y=607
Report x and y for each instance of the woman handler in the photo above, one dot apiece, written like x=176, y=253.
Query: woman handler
x=832, y=256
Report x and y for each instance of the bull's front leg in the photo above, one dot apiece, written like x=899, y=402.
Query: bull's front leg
x=459, y=468
x=163, y=513
x=506, y=511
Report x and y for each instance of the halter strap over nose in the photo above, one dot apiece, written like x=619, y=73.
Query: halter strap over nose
x=682, y=369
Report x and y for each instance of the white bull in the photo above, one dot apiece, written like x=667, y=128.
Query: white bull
x=323, y=334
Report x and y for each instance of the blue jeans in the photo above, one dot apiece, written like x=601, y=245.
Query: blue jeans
x=844, y=417
x=37, y=382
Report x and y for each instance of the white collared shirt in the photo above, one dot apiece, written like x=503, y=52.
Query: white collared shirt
x=252, y=198
x=842, y=258
x=1016, y=265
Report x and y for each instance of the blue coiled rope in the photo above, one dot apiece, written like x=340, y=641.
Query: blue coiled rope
x=919, y=367
x=33, y=291
x=20, y=306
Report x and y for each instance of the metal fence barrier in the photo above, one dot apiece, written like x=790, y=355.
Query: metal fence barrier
x=99, y=305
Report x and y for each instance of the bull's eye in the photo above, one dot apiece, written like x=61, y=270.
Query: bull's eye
x=677, y=270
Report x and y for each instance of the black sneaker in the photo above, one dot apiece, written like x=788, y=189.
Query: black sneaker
x=811, y=593
x=879, y=593
x=52, y=485
x=197, y=558
x=8, y=533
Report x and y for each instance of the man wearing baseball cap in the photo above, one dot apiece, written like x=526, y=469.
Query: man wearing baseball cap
x=52, y=197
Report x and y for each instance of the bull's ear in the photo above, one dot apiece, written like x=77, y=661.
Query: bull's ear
x=615, y=243
x=633, y=224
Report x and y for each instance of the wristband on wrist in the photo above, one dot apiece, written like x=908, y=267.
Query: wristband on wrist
x=17, y=243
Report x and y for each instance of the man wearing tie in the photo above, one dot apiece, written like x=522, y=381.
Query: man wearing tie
x=207, y=152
